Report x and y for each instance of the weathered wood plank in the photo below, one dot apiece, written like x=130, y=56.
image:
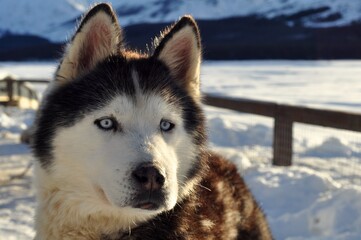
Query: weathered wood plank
x=327, y=118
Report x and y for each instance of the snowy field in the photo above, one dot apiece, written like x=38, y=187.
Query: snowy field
x=319, y=197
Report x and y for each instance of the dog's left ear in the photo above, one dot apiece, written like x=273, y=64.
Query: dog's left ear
x=97, y=37
x=180, y=49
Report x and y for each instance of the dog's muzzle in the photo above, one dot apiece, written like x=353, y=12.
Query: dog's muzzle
x=150, y=182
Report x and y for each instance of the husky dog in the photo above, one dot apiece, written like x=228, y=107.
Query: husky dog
x=121, y=148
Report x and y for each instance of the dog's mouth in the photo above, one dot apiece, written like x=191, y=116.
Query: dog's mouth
x=148, y=206
x=152, y=200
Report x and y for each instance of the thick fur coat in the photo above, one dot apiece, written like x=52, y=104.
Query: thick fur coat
x=121, y=144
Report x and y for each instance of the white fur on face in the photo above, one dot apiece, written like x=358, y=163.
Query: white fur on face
x=88, y=158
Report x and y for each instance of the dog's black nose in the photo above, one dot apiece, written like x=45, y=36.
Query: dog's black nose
x=149, y=177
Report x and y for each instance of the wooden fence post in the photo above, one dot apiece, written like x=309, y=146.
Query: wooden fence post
x=10, y=89
x=282, y=141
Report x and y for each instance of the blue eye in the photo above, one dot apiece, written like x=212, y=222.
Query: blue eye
x=106, y=124
x=166, y=126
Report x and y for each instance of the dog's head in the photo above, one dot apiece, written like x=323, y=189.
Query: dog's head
x=123, y=129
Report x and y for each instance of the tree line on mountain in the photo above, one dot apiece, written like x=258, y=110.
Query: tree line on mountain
x=226, y=39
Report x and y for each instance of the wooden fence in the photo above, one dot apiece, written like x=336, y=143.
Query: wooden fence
x=284, y=116
x=18, y=92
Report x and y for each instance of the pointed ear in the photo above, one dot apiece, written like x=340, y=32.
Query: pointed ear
x=97, y=37
x=180, y=49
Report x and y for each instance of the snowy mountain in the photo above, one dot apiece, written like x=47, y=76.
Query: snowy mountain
x=230, y=29
x=54, y=19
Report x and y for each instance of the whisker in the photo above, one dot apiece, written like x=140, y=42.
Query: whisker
x=204, y=187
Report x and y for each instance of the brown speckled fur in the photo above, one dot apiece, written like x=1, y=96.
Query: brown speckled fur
x=222, y=200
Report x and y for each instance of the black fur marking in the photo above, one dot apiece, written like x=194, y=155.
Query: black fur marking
x=154, y=77
x=110, y=78
x=168, y=34
x=70, y=102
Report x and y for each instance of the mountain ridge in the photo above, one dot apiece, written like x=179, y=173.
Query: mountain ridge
x=231, y=38
x=54, y=20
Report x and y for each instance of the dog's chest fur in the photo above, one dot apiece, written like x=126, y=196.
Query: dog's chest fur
x=221, y=207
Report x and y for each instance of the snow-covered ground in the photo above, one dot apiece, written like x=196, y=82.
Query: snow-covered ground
x=317, y=198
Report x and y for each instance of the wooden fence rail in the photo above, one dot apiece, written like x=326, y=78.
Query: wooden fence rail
x=284, y=116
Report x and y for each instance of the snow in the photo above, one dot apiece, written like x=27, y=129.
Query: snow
x=17, y=202
x=306, y=83
x=316, y=198
x=331, y=147
x=58, y=14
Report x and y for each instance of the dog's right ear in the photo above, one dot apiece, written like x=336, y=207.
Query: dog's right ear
x=179, y=48
x=97, y=37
